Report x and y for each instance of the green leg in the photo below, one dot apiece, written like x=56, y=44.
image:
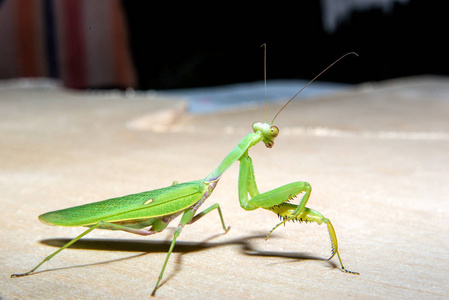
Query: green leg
x=276, y=201
x=334, y=242
x=100, y=224
x=172, y=245
x=280, y=195
x=247, y=183
x=208, y=210
x=56, y=252
x=287, y=212
x=187, y=218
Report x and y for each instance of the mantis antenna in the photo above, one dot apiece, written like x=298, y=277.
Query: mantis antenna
x=328, y=67
x=264, y=45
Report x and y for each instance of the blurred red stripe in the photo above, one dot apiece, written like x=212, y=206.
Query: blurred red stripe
x=75, y=50
x=122, y=59
x=27, y=32
x=88, y=42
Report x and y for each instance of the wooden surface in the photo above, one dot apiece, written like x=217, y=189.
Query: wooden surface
x=377, y=158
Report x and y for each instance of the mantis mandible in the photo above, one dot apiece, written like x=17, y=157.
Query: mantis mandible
x=150, y=212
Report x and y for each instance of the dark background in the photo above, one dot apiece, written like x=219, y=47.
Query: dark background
x=173, y=47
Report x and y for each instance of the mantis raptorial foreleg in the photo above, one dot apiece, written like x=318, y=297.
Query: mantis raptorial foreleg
x=277, y=200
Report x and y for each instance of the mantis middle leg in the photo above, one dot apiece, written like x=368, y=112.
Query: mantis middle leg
x=187, y=218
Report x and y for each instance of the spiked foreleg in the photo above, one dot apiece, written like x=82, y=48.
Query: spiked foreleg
x=247, y=183
x=287, y=213
x=278, y=196
x=275, y=200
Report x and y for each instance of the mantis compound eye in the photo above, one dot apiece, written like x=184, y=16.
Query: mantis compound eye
x=274, y=131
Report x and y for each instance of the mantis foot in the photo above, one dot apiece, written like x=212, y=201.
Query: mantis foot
x=20, y=275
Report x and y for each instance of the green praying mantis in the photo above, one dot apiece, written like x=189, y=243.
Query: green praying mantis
x=150, y=212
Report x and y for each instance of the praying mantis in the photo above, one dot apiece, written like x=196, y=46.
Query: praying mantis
x=150, y=212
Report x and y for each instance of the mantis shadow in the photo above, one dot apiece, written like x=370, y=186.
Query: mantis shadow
x=146, y=247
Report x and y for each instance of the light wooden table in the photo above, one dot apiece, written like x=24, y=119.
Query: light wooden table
x=377, y=158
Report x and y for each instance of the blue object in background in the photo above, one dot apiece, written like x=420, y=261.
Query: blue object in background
x=239, y=95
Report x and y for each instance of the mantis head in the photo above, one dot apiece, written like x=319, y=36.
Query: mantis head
x=269, y=132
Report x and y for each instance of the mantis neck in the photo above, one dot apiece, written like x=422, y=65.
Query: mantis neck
x=235, y=154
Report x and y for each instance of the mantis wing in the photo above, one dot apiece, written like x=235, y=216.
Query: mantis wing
x=145, y=205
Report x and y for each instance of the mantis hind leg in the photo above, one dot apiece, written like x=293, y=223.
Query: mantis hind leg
x=101, y=225
x=54, y=253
